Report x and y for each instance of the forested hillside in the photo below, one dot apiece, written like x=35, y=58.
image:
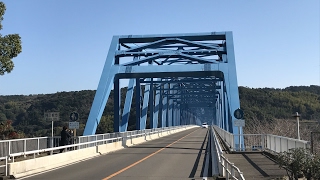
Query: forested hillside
x=23, y=116
x=269, y=103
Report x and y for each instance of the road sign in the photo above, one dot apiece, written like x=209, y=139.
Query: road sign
x=73, y=125
x=238, y=113
x=51, y=116
x=74, y=116
x=239, y=123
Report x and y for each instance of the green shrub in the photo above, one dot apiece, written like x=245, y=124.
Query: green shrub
x=300, y=162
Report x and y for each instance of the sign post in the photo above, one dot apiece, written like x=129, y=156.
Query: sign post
x=74, y=126
x=74, y=116
x=238, y=114
x=51, y=116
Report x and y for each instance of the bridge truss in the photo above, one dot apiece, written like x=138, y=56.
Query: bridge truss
x=177, y=79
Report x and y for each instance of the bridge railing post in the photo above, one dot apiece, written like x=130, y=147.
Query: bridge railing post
x=38, y=145
x=221, y=168
x=232, y=169
x=263, y=142
x=241, y=176
x=226, y=165
x=78, y=143
x=6, y=170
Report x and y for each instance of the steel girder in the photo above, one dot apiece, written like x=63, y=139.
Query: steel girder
x=177, y=79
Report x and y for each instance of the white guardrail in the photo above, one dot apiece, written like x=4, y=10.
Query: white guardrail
x=225, y=167
x=10, y=149
x=251, y=142
x=261, y=142
x=5, y=164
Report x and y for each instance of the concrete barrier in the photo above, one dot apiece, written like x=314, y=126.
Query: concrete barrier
x=31, y=166
x=39, y=164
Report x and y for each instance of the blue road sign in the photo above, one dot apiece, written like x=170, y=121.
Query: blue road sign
x=238, y=113
x=74, y=116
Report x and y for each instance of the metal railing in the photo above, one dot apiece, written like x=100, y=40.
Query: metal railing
x=229, y=170
x=30, y=144
x=225, y=168
x=96, y=142
x=22, y=145
x=14, y=148
x=34, y=152
x=260, y=142
x=5, y=165
x=78, y=142
x=225, y=135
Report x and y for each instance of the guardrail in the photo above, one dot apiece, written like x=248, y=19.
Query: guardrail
x=261, y=142
x=229, y=170
x=78, y=142
x=5, y=159
x=99, y=139
x=22, y=145
x=34, y=152
x=30, y=144
x=224, y=168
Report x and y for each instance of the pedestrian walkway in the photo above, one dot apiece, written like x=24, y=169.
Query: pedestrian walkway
x=256, y=165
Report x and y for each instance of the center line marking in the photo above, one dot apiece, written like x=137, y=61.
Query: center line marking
x=128, y=167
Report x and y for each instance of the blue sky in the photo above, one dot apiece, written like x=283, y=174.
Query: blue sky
x=65, y=42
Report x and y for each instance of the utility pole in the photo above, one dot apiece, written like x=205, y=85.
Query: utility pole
x=297, y=116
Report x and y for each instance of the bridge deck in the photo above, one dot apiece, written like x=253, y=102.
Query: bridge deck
x=178, y=156
x=256, y=166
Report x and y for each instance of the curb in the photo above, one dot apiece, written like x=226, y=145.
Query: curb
x=4, y=177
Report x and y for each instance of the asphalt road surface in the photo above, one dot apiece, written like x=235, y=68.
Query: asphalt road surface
x=178, y=156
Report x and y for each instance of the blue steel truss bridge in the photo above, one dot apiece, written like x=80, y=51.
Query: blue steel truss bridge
x=178, y=79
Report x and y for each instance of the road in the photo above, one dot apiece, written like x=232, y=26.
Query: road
x=178, y=156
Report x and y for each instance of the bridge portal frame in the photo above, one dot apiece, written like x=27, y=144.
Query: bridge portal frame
x=158, y=60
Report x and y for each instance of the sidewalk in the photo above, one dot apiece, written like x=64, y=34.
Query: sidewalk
x=255, y=165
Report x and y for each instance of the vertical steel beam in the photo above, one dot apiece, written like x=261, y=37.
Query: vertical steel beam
x=127, y=106
x=116, y=101
x=156, y=110
x=174, y=114
x=145, y=106
x=170, y=107
x=138, y=104
x=165, y=107
x=231, y=77
x=116, y=105
x=225, y=111
x=175, y=120
x=151, y=104
x=160, y=120
x=179, y=115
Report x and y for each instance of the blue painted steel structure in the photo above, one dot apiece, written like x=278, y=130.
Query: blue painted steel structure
x=177, y=79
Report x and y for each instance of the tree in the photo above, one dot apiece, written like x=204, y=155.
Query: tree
x=299, y=162
x=10, y=46
x=8, y=132
x=105, y=125
x=3, y=117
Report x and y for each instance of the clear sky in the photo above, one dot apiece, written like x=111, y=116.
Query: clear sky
x=65, y=42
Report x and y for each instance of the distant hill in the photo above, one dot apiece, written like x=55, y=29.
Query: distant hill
x=265, y=104
x=270, y=103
